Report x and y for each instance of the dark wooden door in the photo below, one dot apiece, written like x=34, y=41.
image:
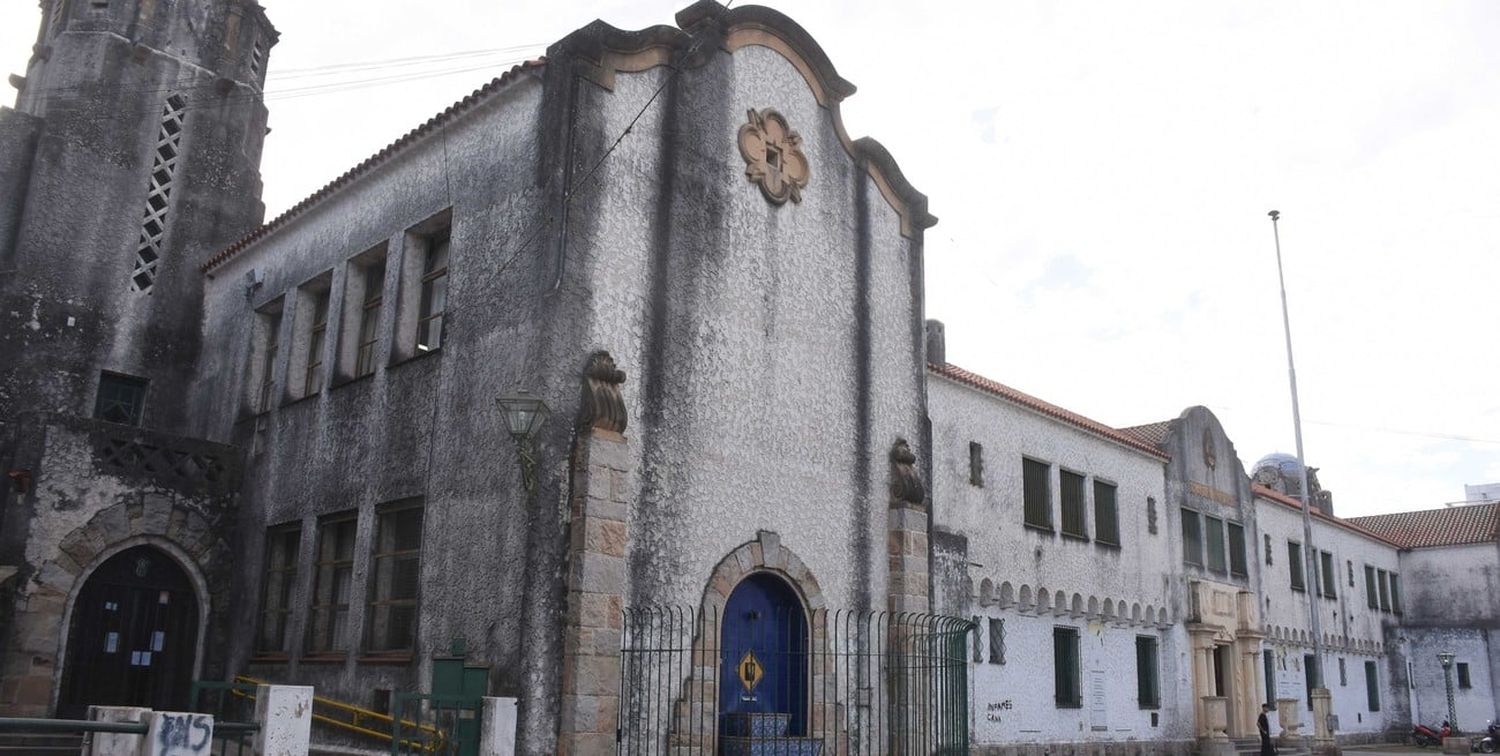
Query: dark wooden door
x=133, y=636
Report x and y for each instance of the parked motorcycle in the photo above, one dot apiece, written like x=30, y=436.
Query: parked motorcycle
x=1487, y=743
x=1425, y=736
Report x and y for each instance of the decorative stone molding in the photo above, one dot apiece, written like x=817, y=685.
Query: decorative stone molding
x=906, y=482
x=773, y=156
x=603, y=405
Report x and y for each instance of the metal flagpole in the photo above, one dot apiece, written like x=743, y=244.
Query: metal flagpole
x=1310, y=553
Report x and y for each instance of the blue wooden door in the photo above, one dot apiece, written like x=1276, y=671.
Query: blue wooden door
x=763, y=668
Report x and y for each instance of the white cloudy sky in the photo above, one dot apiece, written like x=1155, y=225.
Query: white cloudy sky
x=1102, y=171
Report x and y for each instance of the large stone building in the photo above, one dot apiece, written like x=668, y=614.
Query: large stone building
x=764, y=504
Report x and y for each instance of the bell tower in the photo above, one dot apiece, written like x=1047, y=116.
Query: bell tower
x=133, y=152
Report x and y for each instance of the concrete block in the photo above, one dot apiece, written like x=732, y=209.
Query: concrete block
x=111, y=743
x=179, y=733
x=284, y=713
x=498, y=738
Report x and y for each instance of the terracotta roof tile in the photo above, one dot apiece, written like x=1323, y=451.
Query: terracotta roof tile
x=975, y=380
x=1449, y=526
x=1271, y=494
x=441, y=119
x=1152, y=433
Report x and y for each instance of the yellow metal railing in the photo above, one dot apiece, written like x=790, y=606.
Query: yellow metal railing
x=360, y=720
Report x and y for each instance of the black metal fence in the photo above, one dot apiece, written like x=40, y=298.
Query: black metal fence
x=434, y=724
x=825, y=683
x=232, y=705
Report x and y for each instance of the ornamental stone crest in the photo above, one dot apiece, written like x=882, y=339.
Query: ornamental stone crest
x=773, y=156
x=603, y=406
x=906, y=483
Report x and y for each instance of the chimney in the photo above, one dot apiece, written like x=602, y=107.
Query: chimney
x=937, y=348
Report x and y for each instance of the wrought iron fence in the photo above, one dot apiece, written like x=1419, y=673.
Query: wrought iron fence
x=834, y=683
x=233, y=706
x=428, y=724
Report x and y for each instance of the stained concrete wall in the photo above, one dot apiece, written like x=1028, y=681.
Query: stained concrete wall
x=1452, y=585
x=1475, y=704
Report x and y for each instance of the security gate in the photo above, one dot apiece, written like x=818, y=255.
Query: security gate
x=764, y=677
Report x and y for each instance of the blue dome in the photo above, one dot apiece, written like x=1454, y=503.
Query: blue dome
x=1284, y=463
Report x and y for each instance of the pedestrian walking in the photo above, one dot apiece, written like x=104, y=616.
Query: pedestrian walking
x=1267, y=748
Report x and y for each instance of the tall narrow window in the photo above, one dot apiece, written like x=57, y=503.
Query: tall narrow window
x=1106, y=514
x=1065, y=668
x=1309, y=679
x=1268, y=667
x=369, y=319
x=164, y=160
x=434, y=298
x=1463, y=676
x=1294, y=565
x=1269, y=551
x=1073, y=503
x=1147, y=680
x=1372, y=686
x=1395, y=593
x=978, y=638
x=976, y=464
x=1385, y=590
x=1349, y=570
x=1213, y=527
x=395, y=578
x=1237, y=563
x=1343, y=673
x=997, y=640
x=270, y=345
x=278, y=587
x=1330, y=578
x=121, y=399
x=333, y=577
x=1372, y=594
x=257, y=57
x=57, y=19
x=1192, y=538
x=1037, y=493
x=317, y=338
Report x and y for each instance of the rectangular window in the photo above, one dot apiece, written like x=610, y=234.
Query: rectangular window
x=1395, y=593
x=369, y=318
x=1268, y=551
x=1294, y=564
x=434, y=298
x=1385, y=590
x=279, y=586
x=978, y=639
x=1106, y=514
x=332, y=578
x=1309, y=679
x=1065, y=668
x=1037, y=493
x=121, y=399
x=1330, y=578
x=1349, y=570
x=312, y=379
x=1268, y=665
x=1372, y=594
x=997, y=641
x=1343, y=673
x=1237, y=564
x=395, y=578
x=1074, y=500
x=270, y=344
x=1213, y=528
x=976, y=464
x=1372, y=686
x=1463, y=676
x=1192, y=538
x=1147, y=682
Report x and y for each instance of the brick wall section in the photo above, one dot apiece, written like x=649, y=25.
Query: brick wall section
x=596, y=588
x=907, y=549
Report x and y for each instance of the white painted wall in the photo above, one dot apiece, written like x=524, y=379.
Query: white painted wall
x=1475, y=705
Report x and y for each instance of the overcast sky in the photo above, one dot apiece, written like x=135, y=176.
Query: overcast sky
x=1102, y=172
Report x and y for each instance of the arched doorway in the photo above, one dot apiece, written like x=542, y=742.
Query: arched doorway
x=763, y=667
x=133, y=634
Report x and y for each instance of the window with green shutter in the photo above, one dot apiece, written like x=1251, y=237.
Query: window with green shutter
x=1147, y=679
x=1237, y=563
x=1037, y=493
x=1192, y=538
x=1065, y=668
x=1372, y=686
x=1294, y=565
x=1372, y=595
x=1074, y=488
x=1329, y=578
x=1213, y=529
x=1106, y=514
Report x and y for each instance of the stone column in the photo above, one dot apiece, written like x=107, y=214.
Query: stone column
x=590, y=711
x=907, y=535
x=284, y=713
x=1325, y=742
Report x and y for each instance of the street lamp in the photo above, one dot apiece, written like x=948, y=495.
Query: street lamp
x=524, y=415
x=1445, y=658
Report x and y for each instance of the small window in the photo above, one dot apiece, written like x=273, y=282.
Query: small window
x=1065, y=668
x=1074, y=501
x=1309, y=679
x=269, y=345
x=978, y=639
x=1294, y=565
x=1106, y=514
x=333, y=578
x=1213, y=527
x=1372, y=686
x=1192, y=538
x=279, y=587
x=976, y=464
x=369, y=319
x=1349, y=570
x=1237, y=565
x=121, y=399
x=1395, y=593
x=1463, y=676
x=1269, y=551
x=395, y=578
x=1372, y=594
x=1330, y=578
x=317, y=335
x=1151, y=515
x=1147, y=676
x=1343, y=673
x=1385, y=590
x=997, y=641
x=434, y=297
x=1035, y=478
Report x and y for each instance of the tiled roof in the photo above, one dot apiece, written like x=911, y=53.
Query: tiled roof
x=1449, y=526
x=1152, y=433
x=439, y=120
x=975, y=380
x=1271, y=494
